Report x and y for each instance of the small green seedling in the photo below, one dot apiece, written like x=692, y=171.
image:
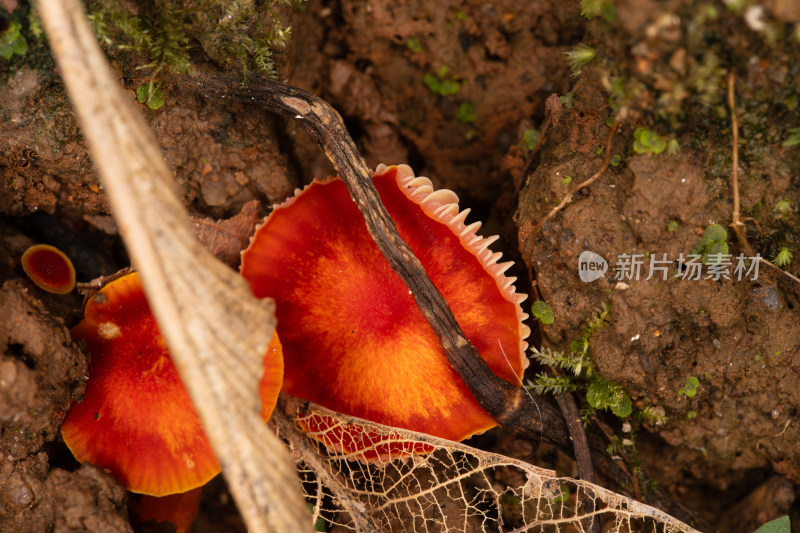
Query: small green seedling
x=673, y=147
x=672, y=225
x=440, y=84
x=779, y=525
x=616, y=159
x=531, y=137
x=12, y=42
x=691, y=415
x=690, y=389
x=603, y=394
x=566, y=180
x=542, y=312
x=466, y=113
x=579, y=57
x=648, y=142
x=154, y=99
x=713, y=245
x=783, y=207
x=784, y=257
x=414, y=45
x=599, y=8
x=794, y=138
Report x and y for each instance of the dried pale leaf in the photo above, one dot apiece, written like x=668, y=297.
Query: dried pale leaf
x=227, y=238
x=217, y=332
x=454, y=488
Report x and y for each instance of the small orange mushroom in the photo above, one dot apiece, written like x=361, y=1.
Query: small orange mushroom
x=180, y=509
x=49, y=268
x=353, y=338
x=136, y=418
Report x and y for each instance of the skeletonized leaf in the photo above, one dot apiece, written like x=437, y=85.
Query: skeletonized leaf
x=444, y=486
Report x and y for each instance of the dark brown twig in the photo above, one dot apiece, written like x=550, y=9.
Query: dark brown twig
x=583, y=456
x=510, y=405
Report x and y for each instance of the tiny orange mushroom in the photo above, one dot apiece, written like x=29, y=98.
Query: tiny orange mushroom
x=49, y=268
x=353, y=338
x=180, y=509
x=136, y=418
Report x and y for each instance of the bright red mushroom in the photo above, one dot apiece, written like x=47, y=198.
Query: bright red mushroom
x=136, y=418
x=353, y=338
x=49, y=268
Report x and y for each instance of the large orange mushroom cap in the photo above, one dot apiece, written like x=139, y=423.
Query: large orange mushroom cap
x=353, y=338
x=136, y=418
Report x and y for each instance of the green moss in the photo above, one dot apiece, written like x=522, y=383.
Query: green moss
x=648, y=142
x=235, y=34
x=542, y=312
x=466, y=113
x=690, y=388
x=441, y=84
x=12, y=41
x=151, y=95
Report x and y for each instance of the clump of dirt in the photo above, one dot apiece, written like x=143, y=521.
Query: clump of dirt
x=739, y=338
x=383, y=65
x=41, y=372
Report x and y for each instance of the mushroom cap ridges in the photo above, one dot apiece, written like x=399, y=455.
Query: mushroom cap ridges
x=136, y=418
x=353, y=338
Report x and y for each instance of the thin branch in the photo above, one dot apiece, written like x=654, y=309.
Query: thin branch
x=583, y=457
x=736, y=223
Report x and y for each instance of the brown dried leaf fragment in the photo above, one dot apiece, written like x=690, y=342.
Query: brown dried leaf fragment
x=227, y=238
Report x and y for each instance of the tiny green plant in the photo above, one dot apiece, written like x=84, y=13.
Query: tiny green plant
x=673, y=147
x=414, y=45
x=691, y=415
x=690, y=388
x=599, y=8
x=784, y=257
x=542, y=312
x=672, y=225
x=13, y=42
x=566, y=180
x=466, y=113
x=440, y=84
x=151, y=95
x=713, y=245
x=615, y=161
x=579, y=57
x=531, y=137
x=648, y=142
x=577, y=361
x=783, y=207
x=793, y=139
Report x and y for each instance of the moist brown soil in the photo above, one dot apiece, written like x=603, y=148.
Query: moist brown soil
x=730, y=452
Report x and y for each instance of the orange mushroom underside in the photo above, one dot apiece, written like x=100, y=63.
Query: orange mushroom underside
x=136, y=418
x=353, y=338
